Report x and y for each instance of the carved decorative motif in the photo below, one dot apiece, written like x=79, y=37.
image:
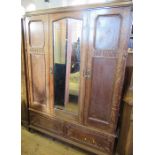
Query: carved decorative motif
x=37, y=50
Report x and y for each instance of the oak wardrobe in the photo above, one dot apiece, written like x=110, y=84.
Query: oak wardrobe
x=75, y=61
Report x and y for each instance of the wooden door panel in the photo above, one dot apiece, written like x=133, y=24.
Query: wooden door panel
x=107, y=29
x=36, y=33
x=38, y=78
x=37, y=60
x=103, y=72
x=107, y=49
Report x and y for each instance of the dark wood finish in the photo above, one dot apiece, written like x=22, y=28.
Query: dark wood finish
x=37, y=62
x=101, y=74
x=24, y=93
x=128, y=73
x=85, y=136
x=38, y=78
x=113, y=24
x=102, y=142
x=53, y=125
x=102, y=89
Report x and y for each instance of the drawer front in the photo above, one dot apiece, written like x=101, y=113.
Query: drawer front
x=92, y=139
x=49, y=124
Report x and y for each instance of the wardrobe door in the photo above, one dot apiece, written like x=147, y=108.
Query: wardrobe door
x=66, y=62
x=37, y=61
x=107, y=50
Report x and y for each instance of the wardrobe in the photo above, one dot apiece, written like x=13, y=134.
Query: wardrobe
x=75, y=61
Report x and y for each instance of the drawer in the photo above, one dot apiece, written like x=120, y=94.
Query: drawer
x=44, y=122
x=93, y=139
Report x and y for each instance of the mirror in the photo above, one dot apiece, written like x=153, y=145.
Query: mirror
x=66, y=47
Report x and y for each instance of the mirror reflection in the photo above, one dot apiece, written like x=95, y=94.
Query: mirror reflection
x=66, y=46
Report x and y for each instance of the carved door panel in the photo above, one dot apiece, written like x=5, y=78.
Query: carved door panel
x=107, y=49
x=67, y=62
x=37, y=60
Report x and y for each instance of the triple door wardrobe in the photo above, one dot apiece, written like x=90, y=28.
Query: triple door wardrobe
x=75, y=63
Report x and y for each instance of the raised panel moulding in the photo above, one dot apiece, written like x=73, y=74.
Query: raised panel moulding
x=36, y=34
x=107, y=30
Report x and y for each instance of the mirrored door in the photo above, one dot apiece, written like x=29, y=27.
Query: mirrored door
x=66, y=34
